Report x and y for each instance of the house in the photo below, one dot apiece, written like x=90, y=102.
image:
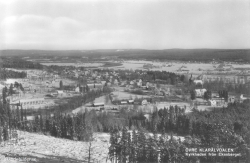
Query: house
x=132, y=83
x=26, y=103
x=77, y=89
x=196, y=82
x=108, y=83
x=98, y=104
x=231, y=99
x=139, y=84
x=212, y=102
x=148, y=116
x=116, y=82
x=243, y=97
x=200, y=92
x=60, y=92
x=69, y=87
x=94, y=87
x=219, y=101
x=124, y=102
x=130, y=101
x=144, y=102
x=215, y=94
x=103, y=82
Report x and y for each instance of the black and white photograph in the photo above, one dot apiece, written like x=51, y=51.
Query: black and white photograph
x=124, y=81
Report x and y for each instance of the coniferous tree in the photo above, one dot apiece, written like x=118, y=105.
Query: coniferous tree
x=18, y=117
x=124, y=145
x=11, y=91
x=4, y=94
x=5, y=133
x=22, y=113
x=193, y=95
x=61, y=85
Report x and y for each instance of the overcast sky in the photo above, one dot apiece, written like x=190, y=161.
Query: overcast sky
x=124, y=24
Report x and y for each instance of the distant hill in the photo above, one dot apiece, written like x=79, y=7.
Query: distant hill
x=240, y=55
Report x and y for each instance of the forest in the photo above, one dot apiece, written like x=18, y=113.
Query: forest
x=203, y=55
x=150, y=76
x=5, y=74
x=19, y=63
x=227, y=127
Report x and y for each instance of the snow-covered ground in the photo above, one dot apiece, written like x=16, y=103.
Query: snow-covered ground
x=37, y=148
x=73, y=64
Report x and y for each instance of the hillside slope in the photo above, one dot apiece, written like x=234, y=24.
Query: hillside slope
x=37, y=148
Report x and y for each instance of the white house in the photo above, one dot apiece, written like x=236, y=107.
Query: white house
x=98, y=104
x=116, y=82
x=103, y=82
x=131, y=82
x=198, y=82
x=139, y=84
x=124, y=102
x=77, y=89
x=212, y=103
x=242, y=98
x=144, y=102
x=60, y=92
x=130, y=101
x=200, y=92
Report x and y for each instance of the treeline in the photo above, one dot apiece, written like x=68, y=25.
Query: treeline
x=172, y=119
x=162, y=77
x=19, y=63
x=220, y=128
x=202, y=55
x=72, y=127
x=69, y=126
x=175, y=120
x=236, y=88
x=138, y=146
x=53, y=122
x=5, y=74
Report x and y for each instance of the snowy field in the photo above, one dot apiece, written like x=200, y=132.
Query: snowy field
x=37, y=148
x=196, y=68
x=118, y=95
x=73, y=64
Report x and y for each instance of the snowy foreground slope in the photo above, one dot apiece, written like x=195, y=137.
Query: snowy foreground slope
x=35, y=148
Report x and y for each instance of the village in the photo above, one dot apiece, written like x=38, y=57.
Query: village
x=42, y=89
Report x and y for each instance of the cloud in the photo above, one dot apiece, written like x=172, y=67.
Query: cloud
x=38, y=29
x=149, y=24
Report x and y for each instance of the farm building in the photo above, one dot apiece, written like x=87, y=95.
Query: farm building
x=94, y=87
x=219, y=101
x=200, y=92
x=124, y=102
x=60, y=92
x=26, y=103
x=98, y=104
